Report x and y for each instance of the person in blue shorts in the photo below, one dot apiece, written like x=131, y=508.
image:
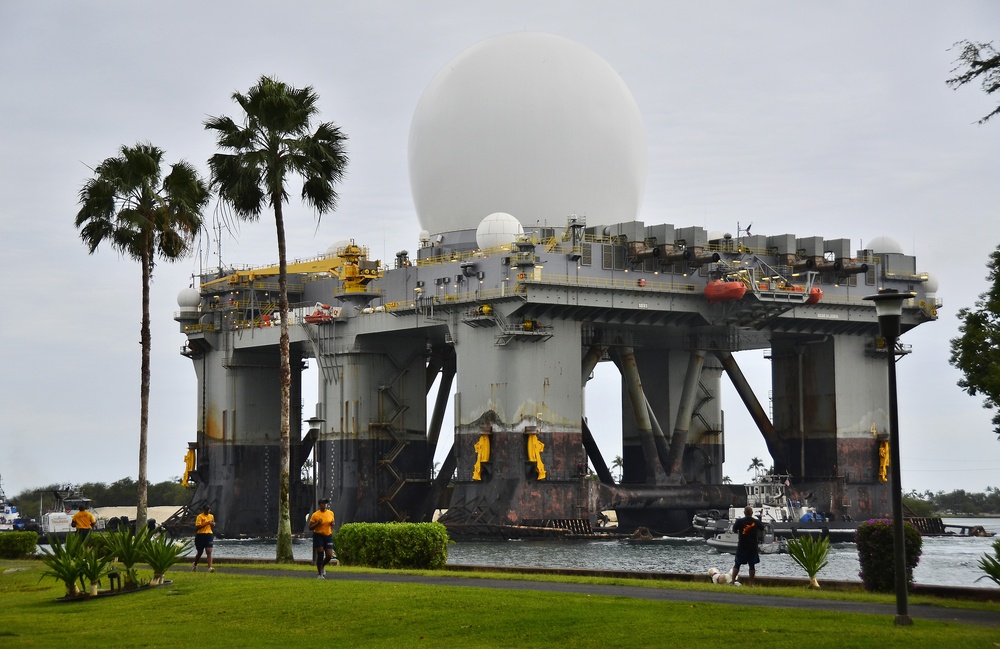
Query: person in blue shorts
x=204, y=538
x=321, y=524
x=750, y=532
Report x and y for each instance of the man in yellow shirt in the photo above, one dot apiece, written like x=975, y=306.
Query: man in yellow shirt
x=204, y=537
x=83, y=522
x=321, y=524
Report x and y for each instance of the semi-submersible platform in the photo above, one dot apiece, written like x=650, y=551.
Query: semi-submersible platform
x=514, y=326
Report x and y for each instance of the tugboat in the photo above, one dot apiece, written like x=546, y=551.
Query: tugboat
x=56, y=523
x=771, y=503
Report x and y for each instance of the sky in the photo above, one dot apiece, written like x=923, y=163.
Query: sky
x=818, y=119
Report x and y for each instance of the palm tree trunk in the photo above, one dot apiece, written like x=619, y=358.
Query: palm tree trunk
x=284, y=547
x=146, y=341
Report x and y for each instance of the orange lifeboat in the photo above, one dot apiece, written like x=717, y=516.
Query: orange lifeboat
x=320, y=316
x=815, y=295
x=719, y=291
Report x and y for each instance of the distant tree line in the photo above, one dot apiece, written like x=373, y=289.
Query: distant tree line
x=958, y=502
x=32, y=503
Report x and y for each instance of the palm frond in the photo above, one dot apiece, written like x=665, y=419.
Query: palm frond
x=810, y=553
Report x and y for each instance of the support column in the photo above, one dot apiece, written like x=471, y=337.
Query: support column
x=651, y=450
x=683, y=424
x=749, y=399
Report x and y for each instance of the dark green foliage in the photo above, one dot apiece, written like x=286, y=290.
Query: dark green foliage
x=978, y=61
x=874, y=539
x=17, y=545
x=991, y=565
x=162, y=552
x=958, y=502
x=976, y=352
x=811, y=554
x=102, y=552
x=128, y=549
x=914, y=505
x=64, y=562
x=93, y=562
x=120, y=493
x=393, y=545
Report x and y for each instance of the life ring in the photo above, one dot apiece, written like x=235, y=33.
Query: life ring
x=520, y=275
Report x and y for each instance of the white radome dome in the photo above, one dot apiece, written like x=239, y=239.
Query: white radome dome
x=529, y=124
x=498, y=229
x=189, y=298
x=931, y=285
x=885, y=244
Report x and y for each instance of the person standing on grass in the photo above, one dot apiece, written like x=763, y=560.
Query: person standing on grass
x=83, y=521
x=749, y=532
x=204, y=537
x=321, y=524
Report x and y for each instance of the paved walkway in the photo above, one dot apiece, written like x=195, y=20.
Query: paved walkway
x=724, y=595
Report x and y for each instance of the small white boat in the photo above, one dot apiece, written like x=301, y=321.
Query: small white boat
x=10, y=518
x=728, y=541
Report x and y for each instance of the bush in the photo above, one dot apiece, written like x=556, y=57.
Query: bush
x=64, y=562
x=875, y=554
x=127, y=548
x=811, y=554
x=991, y=565
x=17, y=545
x=162, y=552
x=393, y=545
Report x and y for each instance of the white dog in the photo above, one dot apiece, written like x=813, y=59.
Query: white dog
x=719, y=577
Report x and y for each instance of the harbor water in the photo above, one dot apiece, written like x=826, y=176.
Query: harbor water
x=944, y=560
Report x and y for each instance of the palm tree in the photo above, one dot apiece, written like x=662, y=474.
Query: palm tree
x=618, y=465
x=755, y=464
x=140, y=213
x=273, y=141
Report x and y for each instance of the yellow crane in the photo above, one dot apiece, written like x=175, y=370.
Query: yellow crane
x=348, y=263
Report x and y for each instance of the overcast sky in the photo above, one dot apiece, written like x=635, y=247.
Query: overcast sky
x=817, y=119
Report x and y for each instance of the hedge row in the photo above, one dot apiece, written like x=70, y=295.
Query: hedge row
x=17, y=545
x=393, y=545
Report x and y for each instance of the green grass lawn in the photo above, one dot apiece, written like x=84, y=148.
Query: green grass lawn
x=224, y=609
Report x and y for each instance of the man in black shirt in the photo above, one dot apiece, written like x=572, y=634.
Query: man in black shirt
x=749, y=531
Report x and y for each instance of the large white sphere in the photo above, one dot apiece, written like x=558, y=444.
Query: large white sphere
x=498, y=229
x=885, y=244
x=529, y=124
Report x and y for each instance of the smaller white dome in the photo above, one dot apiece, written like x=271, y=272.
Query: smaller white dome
x=931, y=285
x=885, y=244
x=424, y=236
x=189, y=298
x=498, y=229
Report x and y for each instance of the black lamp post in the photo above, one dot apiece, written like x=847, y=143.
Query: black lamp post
x=315, y=423
x=889, y=309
